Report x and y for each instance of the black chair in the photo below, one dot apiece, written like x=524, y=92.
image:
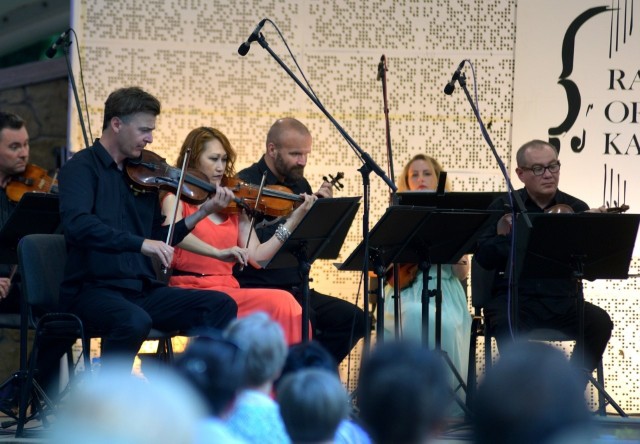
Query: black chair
x=10, y=386
x=481, y=285
x=42, y=259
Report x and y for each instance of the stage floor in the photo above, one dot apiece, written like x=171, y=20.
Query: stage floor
x=610, y=429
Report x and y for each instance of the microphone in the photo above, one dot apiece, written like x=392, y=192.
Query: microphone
x=244, y=48
x=381, y=67
x=53, y=49
x=448, y=89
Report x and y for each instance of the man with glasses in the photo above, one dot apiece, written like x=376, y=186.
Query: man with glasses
x=542, y=303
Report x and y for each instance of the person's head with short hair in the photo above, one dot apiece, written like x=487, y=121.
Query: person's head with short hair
x=288, y=146
x=421, y=173
x=312, y=402
x=129, y=121
x=14, y=146
x=123, y=103
x=532, y=395
x=539, y=169
x=215, y=367
x=308, y=354
x=265, y=346
x=403, y=393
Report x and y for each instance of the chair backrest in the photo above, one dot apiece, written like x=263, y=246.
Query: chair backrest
x=42, y=259
x=481, y=284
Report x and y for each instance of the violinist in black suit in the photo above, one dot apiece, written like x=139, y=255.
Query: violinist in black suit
x=14, y=157
x=542, y=303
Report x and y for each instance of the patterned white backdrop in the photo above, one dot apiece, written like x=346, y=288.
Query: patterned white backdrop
x=185, y=52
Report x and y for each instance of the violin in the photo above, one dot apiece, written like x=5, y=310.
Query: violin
x=34, y=178
x=150, y=172
x=275, y=200
x=566, y=209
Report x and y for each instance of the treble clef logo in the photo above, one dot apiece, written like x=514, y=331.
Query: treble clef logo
x=574, y=101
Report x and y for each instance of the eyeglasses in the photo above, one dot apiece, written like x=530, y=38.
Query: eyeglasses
x=538, y=170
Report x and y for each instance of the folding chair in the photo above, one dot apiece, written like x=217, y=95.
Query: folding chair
x=42, y=259
x=481, y=286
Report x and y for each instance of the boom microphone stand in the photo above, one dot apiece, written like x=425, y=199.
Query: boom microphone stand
x=368, y=164
x=64, y=41
x=460, y=77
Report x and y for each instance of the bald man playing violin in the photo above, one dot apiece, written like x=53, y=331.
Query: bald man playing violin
x=337, y=324
x=14, y=156
x=542, y=303
x=112, y=233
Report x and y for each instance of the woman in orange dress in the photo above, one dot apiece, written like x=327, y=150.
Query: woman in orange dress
x=205, y=258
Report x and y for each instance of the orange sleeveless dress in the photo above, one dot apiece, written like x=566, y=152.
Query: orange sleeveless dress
x=280, y=305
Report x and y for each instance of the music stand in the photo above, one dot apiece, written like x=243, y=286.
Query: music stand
x=319, y=235
x=424, y=236
x=35, y=213
x=571, y=256
x=455, y=200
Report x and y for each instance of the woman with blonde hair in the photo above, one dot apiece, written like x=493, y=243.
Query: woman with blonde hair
x=422, y=173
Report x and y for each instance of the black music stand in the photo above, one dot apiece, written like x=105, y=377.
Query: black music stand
x=424, y=236
x=572, y=256
x=454, y=200
x=35, y=213
x=319, y=235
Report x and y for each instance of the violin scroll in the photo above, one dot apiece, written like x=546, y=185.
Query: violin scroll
x=335, y=181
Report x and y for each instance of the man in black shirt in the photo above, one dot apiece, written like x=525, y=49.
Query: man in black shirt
x=542, y=303
x=14, y=157
x=337, y=324
x=113, y=232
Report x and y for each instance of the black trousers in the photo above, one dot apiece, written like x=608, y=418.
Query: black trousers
x=538, y=313
x=123, y=320
x=337, y=324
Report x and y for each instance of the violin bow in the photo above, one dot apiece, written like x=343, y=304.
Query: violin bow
x=172, y=224
x=253, y=214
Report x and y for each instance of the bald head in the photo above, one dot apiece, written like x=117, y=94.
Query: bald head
x=288, y=145
x=279, y=131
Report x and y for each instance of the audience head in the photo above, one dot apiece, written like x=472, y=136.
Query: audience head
x=312, y=402
x=309, y=354
x=215, y=367
x=403, y=393
x=205, y=140
x=263, y=341
x=532, y=395
x=422, y=172
x=115, y=407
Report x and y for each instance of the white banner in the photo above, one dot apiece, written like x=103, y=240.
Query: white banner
x=577, y=85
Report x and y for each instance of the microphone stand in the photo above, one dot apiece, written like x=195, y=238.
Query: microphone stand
x=513, y=196
x=382, y=76
x=65, y=50
x=368, y=165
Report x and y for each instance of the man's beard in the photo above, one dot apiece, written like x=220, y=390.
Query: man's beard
x=292, y=173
